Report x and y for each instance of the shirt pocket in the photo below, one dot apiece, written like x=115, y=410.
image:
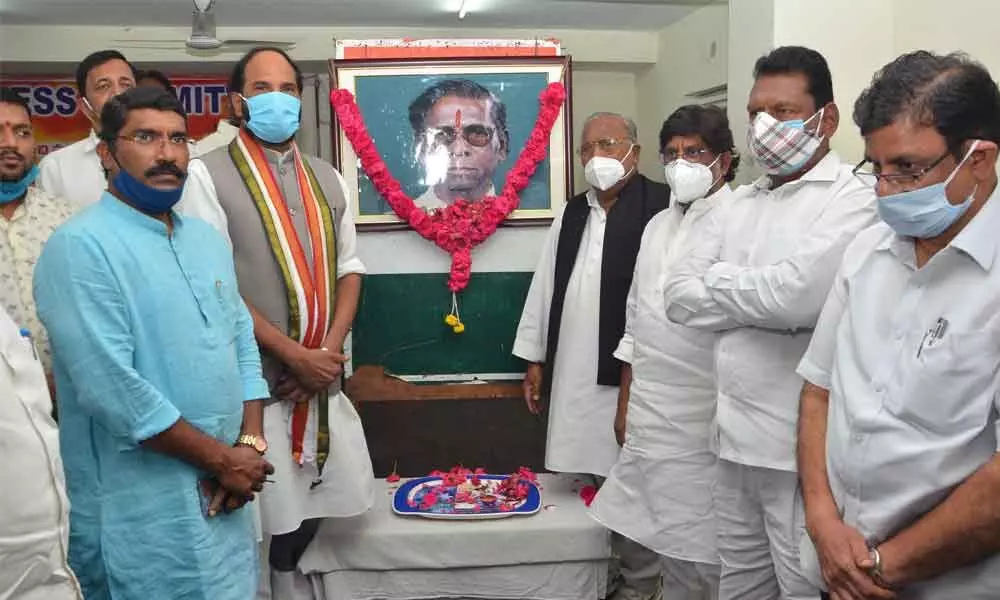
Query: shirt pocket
x=949, y=386
x=221, y=309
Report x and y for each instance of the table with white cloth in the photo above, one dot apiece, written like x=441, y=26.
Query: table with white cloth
x=558, y=554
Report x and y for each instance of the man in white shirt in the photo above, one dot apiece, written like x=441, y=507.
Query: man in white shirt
x=34, y=526
x=898, y=428
x=574, y=317
x=225, y=132
x=659, y=493
x=760, y=275
x=460, y=133
x=28, y=216
x=74, y=172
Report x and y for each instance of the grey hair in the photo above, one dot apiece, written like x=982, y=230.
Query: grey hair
x=633, y=131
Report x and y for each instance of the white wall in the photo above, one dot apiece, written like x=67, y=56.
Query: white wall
x=599, y=88
x=855, y=37
x=686, y=62
x=751, y=35
x=967, y=25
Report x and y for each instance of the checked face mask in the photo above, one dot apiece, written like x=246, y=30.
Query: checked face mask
x=783, y=147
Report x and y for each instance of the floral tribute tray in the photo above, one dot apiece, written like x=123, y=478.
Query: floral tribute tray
x=469, y=494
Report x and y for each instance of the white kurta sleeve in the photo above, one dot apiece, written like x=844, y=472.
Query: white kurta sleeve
x=48, y=176
x=789, y=294
x=532, y=331
x=200, y=199
x=817, y=363
x=347, y=237
x=686, y=297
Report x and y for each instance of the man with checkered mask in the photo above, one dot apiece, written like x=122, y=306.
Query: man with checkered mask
x=760, y=276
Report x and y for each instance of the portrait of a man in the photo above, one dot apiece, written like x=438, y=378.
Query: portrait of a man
x=460, y=136
x=452, y=130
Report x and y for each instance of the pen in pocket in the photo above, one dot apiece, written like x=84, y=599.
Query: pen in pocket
x=27, y=336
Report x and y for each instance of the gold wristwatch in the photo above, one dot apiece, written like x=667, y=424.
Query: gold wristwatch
x=257, y=442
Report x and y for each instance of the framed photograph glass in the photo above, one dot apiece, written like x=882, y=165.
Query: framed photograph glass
x=451, y=128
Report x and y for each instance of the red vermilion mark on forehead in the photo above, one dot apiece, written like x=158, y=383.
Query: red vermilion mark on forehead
x=458, y=119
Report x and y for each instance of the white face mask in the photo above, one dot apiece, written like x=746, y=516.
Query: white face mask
x=689, y=181
x=602, y=172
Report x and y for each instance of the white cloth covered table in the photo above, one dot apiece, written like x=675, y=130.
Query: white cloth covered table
x=558, y=554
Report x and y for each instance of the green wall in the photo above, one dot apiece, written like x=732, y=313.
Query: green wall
x=400, y=324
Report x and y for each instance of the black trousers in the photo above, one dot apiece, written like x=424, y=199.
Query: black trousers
x=288, y=548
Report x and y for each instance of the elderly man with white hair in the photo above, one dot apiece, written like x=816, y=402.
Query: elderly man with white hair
x=574, y=317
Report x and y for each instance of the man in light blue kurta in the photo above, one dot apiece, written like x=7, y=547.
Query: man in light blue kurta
x=155, y=359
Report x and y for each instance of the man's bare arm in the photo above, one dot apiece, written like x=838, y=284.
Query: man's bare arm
x=961, y=531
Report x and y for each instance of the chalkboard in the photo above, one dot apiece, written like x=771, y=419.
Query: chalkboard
x=400, y=324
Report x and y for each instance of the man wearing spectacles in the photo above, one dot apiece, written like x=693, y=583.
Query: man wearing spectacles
x=574, y=318
x=659, y=492
x=760, y=275
x=898, y=426
x=460, y=134
x=158, y=372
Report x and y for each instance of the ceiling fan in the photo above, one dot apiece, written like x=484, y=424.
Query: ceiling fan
x=202, y=34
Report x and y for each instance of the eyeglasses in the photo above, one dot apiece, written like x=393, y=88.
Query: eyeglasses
x=606, y=145
x=689, y=154
x=905, y=179
x=149, y=138
x=476, y=135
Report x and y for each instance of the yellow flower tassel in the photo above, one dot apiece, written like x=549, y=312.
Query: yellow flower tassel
x=453, y=319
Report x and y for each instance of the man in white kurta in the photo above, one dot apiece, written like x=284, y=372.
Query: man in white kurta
x=760, y=275
x=581, y=409
x=659, y=493
x=34, y=509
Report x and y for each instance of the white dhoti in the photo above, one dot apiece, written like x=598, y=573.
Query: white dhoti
x=344, y=489
x=300, y=492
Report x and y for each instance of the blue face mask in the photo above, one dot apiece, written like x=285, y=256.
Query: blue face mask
x=274, y=116
x=12, y=190
x=143, y=197
x=926, y=212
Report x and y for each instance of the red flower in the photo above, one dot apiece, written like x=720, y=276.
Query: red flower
x=588, y=493
x=393, y=477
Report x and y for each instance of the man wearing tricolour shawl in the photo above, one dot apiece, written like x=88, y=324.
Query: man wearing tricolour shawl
x=294, y=247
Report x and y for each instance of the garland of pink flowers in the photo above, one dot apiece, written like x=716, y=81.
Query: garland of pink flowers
x=463, y=225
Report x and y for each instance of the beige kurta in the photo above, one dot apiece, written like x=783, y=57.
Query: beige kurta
x=345, y=487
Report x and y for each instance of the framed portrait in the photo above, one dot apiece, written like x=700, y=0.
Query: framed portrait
x=452, y=128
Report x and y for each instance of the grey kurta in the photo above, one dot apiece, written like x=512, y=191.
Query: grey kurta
x=260, y=280
x=295, y=495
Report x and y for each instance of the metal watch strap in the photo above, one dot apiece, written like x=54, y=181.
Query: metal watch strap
x=249, y=440
x=875, y=572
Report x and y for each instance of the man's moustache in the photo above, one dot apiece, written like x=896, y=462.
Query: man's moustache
x=166, y=169
x=11, y=154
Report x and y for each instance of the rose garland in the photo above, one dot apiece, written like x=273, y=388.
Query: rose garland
x=463, y=225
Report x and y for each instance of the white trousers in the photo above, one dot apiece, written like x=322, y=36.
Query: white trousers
x=760, y=523
x=687, y=580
